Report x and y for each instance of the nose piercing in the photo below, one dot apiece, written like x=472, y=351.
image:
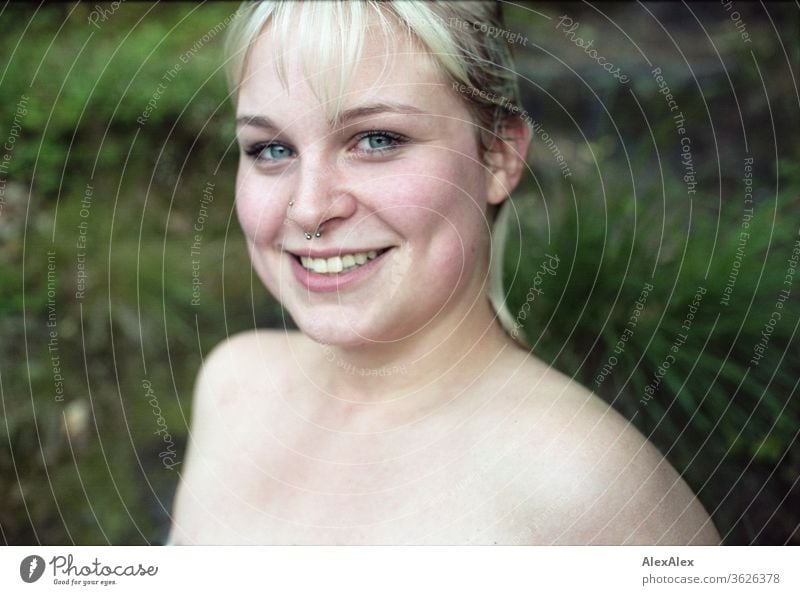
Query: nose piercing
x=317, y=233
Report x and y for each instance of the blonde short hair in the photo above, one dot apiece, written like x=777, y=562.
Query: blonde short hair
x=458, y=35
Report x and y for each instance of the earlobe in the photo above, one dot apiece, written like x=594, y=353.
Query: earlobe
x=507, y=159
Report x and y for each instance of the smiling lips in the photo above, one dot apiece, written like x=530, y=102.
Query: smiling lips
x=337, y=264
x=335, y=273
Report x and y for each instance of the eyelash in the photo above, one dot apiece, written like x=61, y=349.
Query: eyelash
x=398, y=140
x=255, y=151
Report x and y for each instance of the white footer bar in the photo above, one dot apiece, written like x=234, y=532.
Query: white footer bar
x=400, y=570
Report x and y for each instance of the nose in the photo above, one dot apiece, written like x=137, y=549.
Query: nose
x=321, y=199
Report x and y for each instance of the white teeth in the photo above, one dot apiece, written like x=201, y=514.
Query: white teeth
x=337, y=264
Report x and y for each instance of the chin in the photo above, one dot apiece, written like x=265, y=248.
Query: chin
x=336, y=335
x=337, y=328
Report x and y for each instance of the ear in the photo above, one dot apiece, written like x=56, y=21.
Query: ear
x=506, y=159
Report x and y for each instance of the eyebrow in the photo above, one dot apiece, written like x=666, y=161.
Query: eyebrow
x=346, y=116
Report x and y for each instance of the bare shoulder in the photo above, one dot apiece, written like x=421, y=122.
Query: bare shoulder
x=239, y=377
x=607, y=483
x=237, y=357
x=232, y=386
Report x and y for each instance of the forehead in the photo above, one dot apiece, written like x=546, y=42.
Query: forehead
x=343, y=65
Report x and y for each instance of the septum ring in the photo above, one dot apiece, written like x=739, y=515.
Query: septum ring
x=317, y=233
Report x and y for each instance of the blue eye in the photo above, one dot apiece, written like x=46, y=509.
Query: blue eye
x=376, y=142
x=269, y=152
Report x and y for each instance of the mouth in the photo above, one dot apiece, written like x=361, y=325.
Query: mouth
x=341, y=263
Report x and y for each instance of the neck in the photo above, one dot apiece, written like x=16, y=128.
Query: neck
x=420, y=372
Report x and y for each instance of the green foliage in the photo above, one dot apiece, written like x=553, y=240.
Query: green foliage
x=714, y=413
x=87, y=469
x=90, y=85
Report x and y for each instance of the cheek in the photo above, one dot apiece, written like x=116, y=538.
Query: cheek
x=259, y=208
x=438, y=209
x=440, y=203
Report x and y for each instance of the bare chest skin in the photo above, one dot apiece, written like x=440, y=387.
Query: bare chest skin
x=274, y=474
x=536, y=461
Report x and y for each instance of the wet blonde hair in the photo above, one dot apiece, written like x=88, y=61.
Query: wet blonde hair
x=455, y=34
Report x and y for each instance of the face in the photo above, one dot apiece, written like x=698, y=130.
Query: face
x=395, y=186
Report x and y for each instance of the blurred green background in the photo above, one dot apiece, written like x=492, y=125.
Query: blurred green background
x=104, y=325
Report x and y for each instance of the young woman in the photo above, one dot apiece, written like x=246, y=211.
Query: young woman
x=378, y=141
